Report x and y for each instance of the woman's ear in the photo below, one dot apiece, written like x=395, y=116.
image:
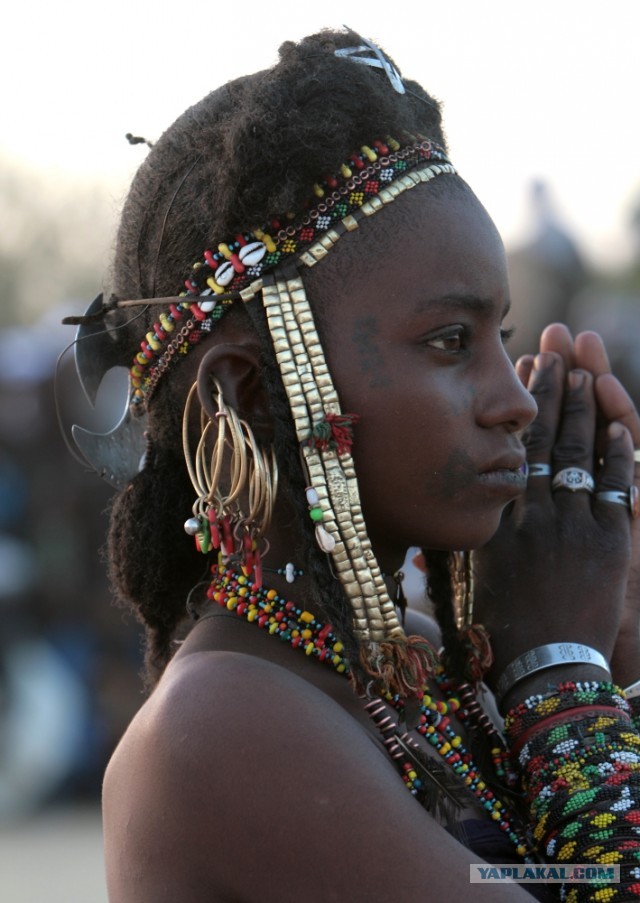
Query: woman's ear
x=237, y=370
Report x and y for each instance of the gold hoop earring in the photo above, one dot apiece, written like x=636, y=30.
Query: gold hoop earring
x=218, y=521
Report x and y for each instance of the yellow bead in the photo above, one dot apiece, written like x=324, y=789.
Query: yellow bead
x=307, y=634
x=338, y=647
x=308, y=648
x=345, y=171
x=213, y=285
x=307, y=617
x=268, y=241
x=153, y=341
x=341, y=668
x=444, y=749
x=456, y=742
x=273, y=626
x=252, y=615
x=369, y=154
x=167, y=325
x=225, y=250
x=271, y=594
x=496, y=816
x=318, y=190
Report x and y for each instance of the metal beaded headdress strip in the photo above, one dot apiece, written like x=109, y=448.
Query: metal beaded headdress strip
x=243, y=268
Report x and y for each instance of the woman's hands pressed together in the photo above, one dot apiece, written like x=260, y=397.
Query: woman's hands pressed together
x=561, y=567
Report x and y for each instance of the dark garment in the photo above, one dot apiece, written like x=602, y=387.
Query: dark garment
x=490, y=844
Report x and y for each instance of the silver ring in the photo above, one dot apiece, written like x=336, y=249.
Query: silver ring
x=630, y=499
x=539, y=470
x=636, y=455
x=573, y=479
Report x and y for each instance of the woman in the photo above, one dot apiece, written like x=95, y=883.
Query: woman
x=358, y=765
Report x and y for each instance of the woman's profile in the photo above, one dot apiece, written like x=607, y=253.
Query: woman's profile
x=313, y=307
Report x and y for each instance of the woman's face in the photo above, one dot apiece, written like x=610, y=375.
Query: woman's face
x=413, y=308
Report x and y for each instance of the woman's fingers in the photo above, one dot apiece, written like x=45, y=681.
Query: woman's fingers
x=546, y=385
x=615, y=494
x=573, y=458
x=524, y=367
x=615, y=404
x=590, y=353
x=557, y=338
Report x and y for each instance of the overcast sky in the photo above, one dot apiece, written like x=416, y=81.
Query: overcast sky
x=531, y=90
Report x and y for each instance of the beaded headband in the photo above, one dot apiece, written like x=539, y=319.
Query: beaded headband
x=233, y=270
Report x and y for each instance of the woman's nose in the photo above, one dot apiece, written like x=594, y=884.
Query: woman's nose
x=506, y=401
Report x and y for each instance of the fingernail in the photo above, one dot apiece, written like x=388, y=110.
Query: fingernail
x=615, y=430
x=541, y=361
x=576, y=379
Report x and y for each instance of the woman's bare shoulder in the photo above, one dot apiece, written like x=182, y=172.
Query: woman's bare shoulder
x=238, y=775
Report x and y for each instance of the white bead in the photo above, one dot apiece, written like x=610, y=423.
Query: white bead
x=289, y=572
x=192, y=526
x=312, y=496
x=207, y=306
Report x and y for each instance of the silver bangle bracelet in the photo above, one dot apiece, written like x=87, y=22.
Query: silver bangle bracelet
x=548, y=656
x=633, y=690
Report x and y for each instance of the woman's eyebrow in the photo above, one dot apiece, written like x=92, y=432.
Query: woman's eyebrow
x=474, y=303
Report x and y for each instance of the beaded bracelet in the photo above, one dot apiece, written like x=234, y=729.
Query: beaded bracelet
x=566, y=695
x=579, y=762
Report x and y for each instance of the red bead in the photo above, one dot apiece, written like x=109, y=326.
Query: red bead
x=237, y=263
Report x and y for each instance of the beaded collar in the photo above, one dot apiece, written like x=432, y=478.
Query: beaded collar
x=300, y=628
x=232, y=269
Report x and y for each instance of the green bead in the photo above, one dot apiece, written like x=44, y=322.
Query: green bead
x=315, y=514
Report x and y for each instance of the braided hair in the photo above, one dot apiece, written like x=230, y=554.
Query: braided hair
x=248, y=151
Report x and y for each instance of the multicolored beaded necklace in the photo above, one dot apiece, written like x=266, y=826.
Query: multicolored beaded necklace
x=236, y=593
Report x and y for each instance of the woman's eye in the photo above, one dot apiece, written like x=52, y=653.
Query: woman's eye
x=451, y=341
x=506, y=334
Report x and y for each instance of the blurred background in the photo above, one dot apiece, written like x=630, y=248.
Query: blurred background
x=540, y=106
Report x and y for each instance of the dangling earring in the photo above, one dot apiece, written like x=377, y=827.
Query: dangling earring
x=263, y=485
x=218, y=519
x=213, y=514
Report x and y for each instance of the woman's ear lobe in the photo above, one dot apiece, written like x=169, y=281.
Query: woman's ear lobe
x=237, y=370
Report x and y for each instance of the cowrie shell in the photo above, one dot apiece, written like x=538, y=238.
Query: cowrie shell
x=224, y=274
x=252, y=253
